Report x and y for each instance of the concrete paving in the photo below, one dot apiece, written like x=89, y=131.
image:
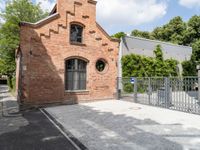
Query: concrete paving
x=120, y=125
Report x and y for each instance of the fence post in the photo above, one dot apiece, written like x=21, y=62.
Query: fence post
x=149, y=90
x=199, y=84
x=135, y=90
x=167, y=92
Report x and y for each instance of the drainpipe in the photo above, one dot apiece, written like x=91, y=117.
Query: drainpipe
x=119, y=78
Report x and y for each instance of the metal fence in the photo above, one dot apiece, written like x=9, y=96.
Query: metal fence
x=173, y=93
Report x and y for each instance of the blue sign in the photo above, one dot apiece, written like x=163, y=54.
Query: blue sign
x=132, y=80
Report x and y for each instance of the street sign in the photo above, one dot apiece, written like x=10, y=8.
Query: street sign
x=132, y=80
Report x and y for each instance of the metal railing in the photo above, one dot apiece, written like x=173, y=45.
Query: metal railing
x=177, y=93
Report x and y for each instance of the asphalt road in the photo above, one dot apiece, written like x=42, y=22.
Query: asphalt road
x=30, y=130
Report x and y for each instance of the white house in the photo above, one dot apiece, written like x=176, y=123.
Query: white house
x=146, y=47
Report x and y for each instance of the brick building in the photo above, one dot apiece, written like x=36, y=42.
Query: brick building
x=66, y=57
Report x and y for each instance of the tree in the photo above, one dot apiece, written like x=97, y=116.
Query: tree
x=196, y=51
x=179, y=32
x=189, y=68
x=142, y=34
x=193, y=30
x=15, y=12
x=119, y=35
x=171, y=32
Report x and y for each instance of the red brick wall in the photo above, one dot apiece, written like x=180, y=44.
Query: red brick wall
x=45, y=48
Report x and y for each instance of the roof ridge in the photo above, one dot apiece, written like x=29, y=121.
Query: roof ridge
x=162, y=42
x=40, y=22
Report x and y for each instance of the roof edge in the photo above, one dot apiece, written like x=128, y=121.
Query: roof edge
x=52, y=11
x=106, y=34
x=167, y=43
x=41, y=22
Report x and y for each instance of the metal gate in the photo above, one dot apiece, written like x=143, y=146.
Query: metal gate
x=173, y=93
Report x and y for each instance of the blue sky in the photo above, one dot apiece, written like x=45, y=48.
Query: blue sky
x=127, y=15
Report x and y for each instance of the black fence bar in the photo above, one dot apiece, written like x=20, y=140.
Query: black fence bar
x=177, y=93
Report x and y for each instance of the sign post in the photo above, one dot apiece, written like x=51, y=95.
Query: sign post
x=132, y=80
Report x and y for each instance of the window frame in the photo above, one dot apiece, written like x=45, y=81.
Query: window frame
x=83, y=33
x=106, y=68
x=66, y=85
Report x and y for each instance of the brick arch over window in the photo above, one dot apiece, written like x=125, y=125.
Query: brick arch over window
x=76, y=32
x=75, y=73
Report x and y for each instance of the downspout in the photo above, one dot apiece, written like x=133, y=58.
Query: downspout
x=19, y=92
x=120, y=63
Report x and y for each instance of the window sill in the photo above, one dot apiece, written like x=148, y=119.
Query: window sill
x=77, y=91
x=78, y=44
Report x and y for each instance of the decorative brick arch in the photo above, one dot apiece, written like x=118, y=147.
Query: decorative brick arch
x=77, y=23
x=77, y=57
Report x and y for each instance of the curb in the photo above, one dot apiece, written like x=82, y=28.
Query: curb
x=74, y=141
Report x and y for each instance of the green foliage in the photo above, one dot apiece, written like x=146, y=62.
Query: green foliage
x=142, y=34
x=189, y=68
x=128, y=87
x=193, y=30
x=179, y=32
x=158, y=52
x=141, y=66
x=15, y=12
x=11, y=81
x=196, y=51
x=119, y=35
x=171, y=32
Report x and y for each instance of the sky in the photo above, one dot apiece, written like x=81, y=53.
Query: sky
x=126, y=15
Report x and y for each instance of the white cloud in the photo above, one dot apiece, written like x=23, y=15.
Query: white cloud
x=46, y=4
x=130, y=12
x=190, y=3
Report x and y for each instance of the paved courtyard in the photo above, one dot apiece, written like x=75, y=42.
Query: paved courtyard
x=120, y=125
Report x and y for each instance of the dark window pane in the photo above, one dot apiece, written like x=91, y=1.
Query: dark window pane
x=100, y=65
x=82, y=65
x=71, y=64
x=76, y=33
x=75, y=74
x=70, y=80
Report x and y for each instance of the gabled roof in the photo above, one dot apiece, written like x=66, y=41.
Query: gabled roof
x=141, y=46
x=106, y=34
x=41, y=22
x=54, y=15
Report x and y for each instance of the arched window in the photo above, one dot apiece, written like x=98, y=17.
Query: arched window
x=75, y=74
x=76, y=33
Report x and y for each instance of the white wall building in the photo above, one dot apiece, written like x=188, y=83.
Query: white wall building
x=146, y=47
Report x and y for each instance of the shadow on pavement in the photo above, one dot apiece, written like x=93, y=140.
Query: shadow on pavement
x=31, y=131
x=106, y=130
